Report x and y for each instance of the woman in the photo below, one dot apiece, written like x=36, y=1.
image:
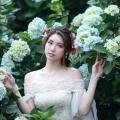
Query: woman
x=58, y=84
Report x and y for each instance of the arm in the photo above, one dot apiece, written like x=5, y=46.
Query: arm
x=85, y=101
x=25, y=107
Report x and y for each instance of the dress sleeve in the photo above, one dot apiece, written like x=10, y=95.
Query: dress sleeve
x=92, y=115
x=27, y=91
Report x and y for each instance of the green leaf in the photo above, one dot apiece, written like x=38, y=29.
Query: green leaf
x=24, y=36
x=100, y=49
x=64, y=21
x=49, y=112
x=108, y=68
x=85, y=57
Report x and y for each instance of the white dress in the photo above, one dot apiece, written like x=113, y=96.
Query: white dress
x=63, y=95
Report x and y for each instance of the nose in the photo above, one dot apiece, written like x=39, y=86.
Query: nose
x=53, y=47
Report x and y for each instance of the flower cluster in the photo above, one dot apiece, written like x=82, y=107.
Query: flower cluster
x=5, y=2
x=18, y=50
x=2, y=91
x=112, y=10
x=87, y=37
x=36, y=28
x=7, y=63
x=89, y=26
x=113, y=46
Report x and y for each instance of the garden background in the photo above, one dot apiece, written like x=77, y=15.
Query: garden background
x=96, y=28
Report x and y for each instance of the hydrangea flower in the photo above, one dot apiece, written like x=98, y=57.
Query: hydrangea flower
x=18, y=50
x=77, y=20
x=5, y=2
x=87, y=37
x=7, y=63
x=21, y=118
x=94, y=10
x=56, y=24
x=36, y=28
x=92, y=20
x=111, y=46
x=112, y=10
x=2, y=91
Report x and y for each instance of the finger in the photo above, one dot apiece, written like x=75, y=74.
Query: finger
x=2, y=71
x=103, y=64
x=97, y=58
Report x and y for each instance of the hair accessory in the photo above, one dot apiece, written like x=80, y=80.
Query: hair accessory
x=72, y=43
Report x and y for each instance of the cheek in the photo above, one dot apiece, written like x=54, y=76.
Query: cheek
x=61, y=53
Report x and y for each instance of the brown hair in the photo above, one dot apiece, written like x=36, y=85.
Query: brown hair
x=66, y=35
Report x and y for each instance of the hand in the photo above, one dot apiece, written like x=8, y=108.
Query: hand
x=8, y=80
x=97, y=68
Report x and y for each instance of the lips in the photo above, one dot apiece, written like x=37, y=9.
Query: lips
x=51, y=54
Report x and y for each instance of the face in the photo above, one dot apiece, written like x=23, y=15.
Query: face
x=54, y=48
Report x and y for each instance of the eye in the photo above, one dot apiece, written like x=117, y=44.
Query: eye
x=61, y=46
x=50, y=42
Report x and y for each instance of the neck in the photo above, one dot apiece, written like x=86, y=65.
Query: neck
x=53, y=66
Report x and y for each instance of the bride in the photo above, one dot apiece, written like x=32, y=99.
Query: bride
x=58, y=84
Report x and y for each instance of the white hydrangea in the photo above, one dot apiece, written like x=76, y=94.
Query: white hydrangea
x=117, y=39
x=85, y=73
x=112, y=10
x=18, y=50
x=2, y=91
x=36, y=28
x=5, y=2
x=85, y=28
x=90, y=42
x=112, y=46
x=87, y=37
x=92, y=20
x=77, y=20
x=7, y=63
x=56, y=24
x=21, y=118
x=94, y=10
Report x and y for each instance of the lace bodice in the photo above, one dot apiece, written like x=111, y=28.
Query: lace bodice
x=62, y=94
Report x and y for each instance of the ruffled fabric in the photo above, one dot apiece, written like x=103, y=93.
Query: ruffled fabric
x=63, y=95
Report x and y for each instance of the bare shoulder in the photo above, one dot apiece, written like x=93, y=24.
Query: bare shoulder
x=30, y=76
x=75, y=73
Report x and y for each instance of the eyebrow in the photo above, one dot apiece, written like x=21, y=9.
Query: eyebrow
x=56, y=42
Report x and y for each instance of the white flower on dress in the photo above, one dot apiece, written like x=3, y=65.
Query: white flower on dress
x=2, y=91
x=18, y=50
x=36, y=28
x=112, y=10
x=21, y=118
